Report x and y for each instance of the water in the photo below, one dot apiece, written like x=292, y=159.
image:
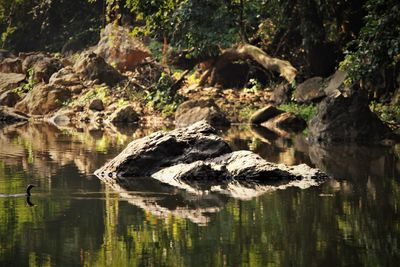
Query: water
x=76, y=220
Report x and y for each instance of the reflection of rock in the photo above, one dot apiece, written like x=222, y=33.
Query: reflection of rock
x=343, y=161
x=192, y=111
x=163, y=201
x=9, y=115
x=343, y=118
x=288, y=122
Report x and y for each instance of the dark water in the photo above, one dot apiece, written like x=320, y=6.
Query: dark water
x=351, y=220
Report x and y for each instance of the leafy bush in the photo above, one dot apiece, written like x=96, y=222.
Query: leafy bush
x=306, y=111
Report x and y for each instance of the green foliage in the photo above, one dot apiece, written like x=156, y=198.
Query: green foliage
x=306, y=111
x=161, y=98
x=253, y=86
x=26, y=86
x=378, y=47
x=99, y=91
x=387, y=113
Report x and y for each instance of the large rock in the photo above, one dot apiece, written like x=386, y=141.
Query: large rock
x=124, y=114
x=43, y=99
x=147, y=155
x=264, y=114
x=11, y=65
x=341, y=118
x=186, y=157
x=10, y=81
x=336, y=84
x=120, y=49
x=192, y=111
x=280, y=94
x=310, y=90
x=5, y=54
x=42, y=66
x=93, y=67
x=9, y=99
x=65, y=77
x=9, y=115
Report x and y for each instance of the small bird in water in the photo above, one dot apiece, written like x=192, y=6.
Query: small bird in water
x=27, y=194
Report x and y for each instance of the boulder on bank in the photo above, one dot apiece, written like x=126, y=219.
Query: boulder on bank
x=125, y=114
x=9, y=99
x=43, y=66
x=93, y=67
x=193, y=111
x=120, y=49
x=43, y=99
x=10, y=81
x=310, y=90
x=11, y=65
x=277, y=120
x=196, y=153
x=346, y=118
x=264, y=114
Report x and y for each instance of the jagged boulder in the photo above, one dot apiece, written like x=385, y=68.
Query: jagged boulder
x=341, y=118
x=124, y=114
x=42, y=65
x=120, y=49
x=9, y=99
x=11, y=65
x=43, y=99
x=192, y=111
x=310, y=90
x=10, y=81
x=148, y=155
x=93, y=67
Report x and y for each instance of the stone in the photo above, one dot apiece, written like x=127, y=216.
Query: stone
x=9, y=99
x=125, y=114
x=10, y=81
x=264, y=114
x=43, y=99
x=147, y=155
x=310, y=90
x=93, y=67
x=280, y=94
x=287, y=121
x=192, y=111
x=120, y=49
x=10, y=115
x=65, y=77
x=11, y=65
x=348, y=119
x=336, y=84
x=96, y=105
x=42, y=66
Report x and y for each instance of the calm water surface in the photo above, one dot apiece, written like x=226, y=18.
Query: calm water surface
x=350, y=220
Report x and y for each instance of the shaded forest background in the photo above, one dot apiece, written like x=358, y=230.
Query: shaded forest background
x=316, y=36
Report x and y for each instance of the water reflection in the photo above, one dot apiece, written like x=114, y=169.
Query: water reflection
x=77, y=220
